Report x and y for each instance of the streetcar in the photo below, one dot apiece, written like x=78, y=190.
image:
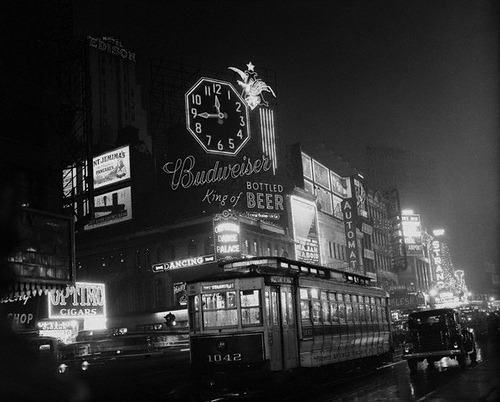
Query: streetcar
x=262, y=317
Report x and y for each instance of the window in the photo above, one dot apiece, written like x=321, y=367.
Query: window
x=219, y=309
x=333, y=306
x=304, y=305
x=250, y=307
x=341, y=308
x=192, y=248
x=267, y=302
x=325, y=308
x=315, y=306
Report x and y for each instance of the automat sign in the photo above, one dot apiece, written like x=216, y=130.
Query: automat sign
x=349, y=211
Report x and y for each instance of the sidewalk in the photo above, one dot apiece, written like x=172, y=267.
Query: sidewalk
x=480, y=383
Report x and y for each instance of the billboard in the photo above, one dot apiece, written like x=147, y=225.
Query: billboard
x=112, y=207
x=111, y=167
x=222, y=154
x=84, y=300
x=412, y=234
x=305, y=230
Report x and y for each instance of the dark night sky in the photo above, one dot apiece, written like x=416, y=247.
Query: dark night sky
x=416, y=75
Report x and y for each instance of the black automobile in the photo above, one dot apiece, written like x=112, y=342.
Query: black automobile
x=438, y=333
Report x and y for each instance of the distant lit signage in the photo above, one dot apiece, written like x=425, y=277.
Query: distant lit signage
x=398, y=247
x=412, y=234
x=111, y=208
x=217, y=286
x=80, y=301
x=437, y=263
x=111, y=46
x=63, y=329
x=402, y=288
x=268, y=136
x=227, y=236
x=183, y=263
x=350, y=217
x=111, y=167
x=409, y=301
x=305, y=230
x=253, y=87
x=265, y=199
x=356, y=191
x=180, y=295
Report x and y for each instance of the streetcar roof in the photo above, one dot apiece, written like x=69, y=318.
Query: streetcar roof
x=257, y=266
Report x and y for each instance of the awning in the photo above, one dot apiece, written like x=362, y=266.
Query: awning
x=20, y=289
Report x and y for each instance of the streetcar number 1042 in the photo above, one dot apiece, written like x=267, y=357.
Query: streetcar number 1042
x=234, y=357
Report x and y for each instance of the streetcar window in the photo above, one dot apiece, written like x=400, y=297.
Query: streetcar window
x=348, y=312
x=284, y=308
x=362, y=312
x=315, y=306
x=325, y=307
x=219, y=309
x=333, y=307
x=250, y=307
x=274, y=306
x=289, y=306
x=304, y=305
x=267, y=302
x=342, y=312
x=194, y=308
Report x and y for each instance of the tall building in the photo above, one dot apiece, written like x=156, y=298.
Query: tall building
x=37, y=240
x=116, y=98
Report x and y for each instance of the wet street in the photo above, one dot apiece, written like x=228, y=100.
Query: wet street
x=166, y=377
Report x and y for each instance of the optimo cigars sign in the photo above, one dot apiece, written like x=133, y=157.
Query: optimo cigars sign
x=80, y=301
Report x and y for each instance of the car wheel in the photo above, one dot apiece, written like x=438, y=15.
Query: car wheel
x=462, y=361
x=473, y=355
x=412, y=364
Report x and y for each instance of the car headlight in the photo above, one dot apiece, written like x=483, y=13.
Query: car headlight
x=85, y=365
x=407, y=347
x=62, y=368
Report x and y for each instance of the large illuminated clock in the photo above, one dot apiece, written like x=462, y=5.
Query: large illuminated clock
x=217, y=117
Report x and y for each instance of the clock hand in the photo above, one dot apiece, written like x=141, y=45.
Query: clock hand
x=217, y=106
x=206, y=115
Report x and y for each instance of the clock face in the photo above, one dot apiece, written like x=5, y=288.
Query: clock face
x=217, y=117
